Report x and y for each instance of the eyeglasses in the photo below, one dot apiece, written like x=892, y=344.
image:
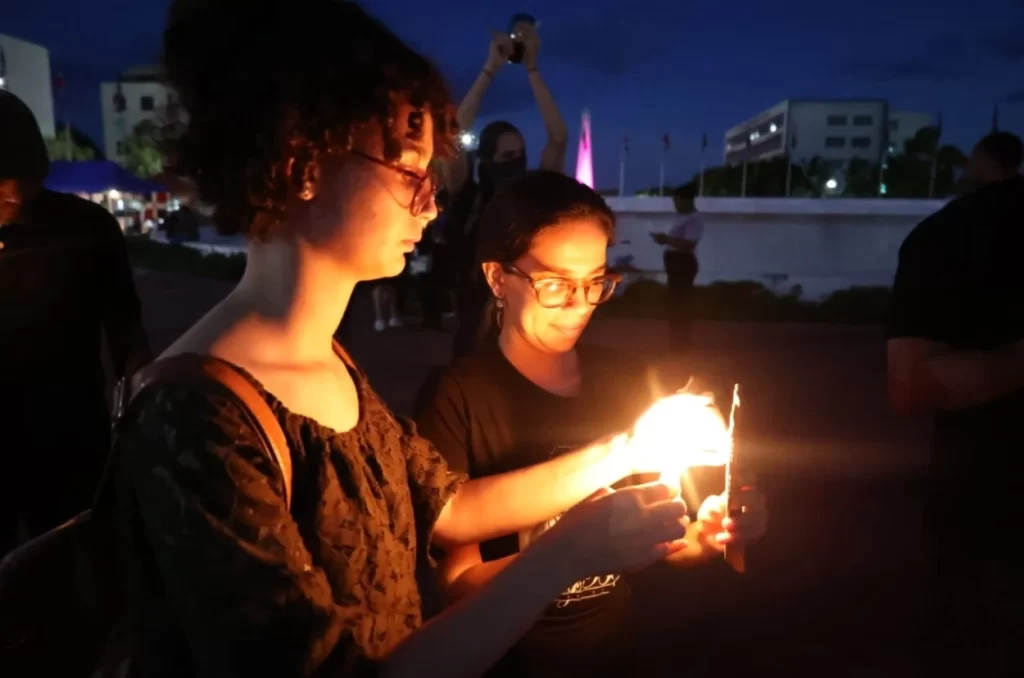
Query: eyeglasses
x=424, y=185
x=558, y=291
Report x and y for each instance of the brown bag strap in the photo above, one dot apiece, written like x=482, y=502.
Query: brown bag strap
x=190, y=368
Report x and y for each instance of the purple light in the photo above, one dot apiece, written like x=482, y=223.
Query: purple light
x=585, y=160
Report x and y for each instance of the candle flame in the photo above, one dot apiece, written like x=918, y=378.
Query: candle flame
x=684, y=430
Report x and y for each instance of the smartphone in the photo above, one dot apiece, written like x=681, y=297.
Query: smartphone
x=518, y=48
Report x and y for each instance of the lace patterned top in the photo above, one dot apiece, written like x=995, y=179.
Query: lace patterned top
x=224, y=580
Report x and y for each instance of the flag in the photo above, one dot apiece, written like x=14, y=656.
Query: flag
x=703, y=141
x=625, y=145
x=668, y=143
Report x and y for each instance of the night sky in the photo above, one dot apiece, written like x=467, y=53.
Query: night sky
x=644, y=68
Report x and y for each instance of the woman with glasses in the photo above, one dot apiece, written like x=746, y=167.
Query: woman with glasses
x=530, y=393
x=320, y=155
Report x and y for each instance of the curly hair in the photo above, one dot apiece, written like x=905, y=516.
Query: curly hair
x=270, y=88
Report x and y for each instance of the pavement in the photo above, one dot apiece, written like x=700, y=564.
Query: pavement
x=835, y=586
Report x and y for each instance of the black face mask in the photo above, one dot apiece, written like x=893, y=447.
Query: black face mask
x=493, y=174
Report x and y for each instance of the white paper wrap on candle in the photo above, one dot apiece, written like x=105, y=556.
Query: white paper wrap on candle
x=682, y=431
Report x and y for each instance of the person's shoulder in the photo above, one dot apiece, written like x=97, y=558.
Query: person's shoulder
x=938, y=228
x=71, y=205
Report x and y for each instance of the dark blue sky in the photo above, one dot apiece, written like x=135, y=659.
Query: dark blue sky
x=644, y=68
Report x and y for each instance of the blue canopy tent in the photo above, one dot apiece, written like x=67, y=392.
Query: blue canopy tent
x=97, y=176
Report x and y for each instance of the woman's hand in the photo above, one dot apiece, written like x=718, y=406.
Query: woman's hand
x=620, y=531
x=499, y=51
x=715, y=529
x=531, y=44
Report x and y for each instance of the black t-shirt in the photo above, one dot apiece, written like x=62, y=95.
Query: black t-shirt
x=65, y=280
x=960, y=282
x=486, y=418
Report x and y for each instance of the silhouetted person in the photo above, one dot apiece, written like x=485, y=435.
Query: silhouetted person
x=956, y=350
x=681, y=266
x=501, y=156
x=64, y=280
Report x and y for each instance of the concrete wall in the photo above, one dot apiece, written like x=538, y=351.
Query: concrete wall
x=28, y=77
x=821, y=245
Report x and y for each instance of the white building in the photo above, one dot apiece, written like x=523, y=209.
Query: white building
x=835, y=130
x=25, y=72
x=138, y=96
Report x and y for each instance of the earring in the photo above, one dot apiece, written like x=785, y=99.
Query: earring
x=499, y=311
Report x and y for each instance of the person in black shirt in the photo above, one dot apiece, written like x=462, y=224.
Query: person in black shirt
x=65, y=281
x=956, y=350
x=531, y=393
x=501, y=156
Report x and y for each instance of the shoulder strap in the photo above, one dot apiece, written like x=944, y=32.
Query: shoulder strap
x=340, y=351
x=191, y=368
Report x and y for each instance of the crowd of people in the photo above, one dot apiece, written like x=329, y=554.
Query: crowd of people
x=516, y=488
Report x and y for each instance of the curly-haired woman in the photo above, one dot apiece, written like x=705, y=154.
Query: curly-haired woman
x=311, y=128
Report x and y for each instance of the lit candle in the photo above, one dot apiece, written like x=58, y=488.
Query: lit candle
x=682, y=431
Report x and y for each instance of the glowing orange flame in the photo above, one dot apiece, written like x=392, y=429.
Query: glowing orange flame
x=683, y=431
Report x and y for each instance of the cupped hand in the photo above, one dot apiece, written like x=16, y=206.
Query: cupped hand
x=621, y=531
x=499, y=51
x=715, y=529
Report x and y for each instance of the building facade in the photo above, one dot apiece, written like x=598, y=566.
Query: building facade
x=836, y=130
x=139, y=97
x=25, y=72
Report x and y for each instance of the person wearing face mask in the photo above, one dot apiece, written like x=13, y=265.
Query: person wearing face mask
x=501, y=156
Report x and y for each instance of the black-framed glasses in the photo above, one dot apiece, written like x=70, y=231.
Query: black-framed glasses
x=424, y=185
x=557, y=291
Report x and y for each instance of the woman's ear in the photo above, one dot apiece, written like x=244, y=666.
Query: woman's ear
x=494, y=276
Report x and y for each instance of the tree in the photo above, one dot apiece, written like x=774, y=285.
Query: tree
x=72, y=144
x=908, y=174
x=142, y=152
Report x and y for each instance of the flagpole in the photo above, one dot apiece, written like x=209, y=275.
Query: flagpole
x=622, y=168
x=935, y=158
x=790, y=145
x=703, y=145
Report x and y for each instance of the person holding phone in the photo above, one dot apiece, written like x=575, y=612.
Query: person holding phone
x=501, y=156
x=681, y=266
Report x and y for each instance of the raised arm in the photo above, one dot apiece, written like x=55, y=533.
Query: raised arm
x=456, y=172
x=553, y=155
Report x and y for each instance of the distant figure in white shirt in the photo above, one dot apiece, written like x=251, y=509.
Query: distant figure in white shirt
x=681, y=265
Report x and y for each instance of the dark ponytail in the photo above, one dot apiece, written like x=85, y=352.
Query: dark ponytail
x=519, y=210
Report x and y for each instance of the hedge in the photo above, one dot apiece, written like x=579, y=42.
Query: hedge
x=722, y=301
